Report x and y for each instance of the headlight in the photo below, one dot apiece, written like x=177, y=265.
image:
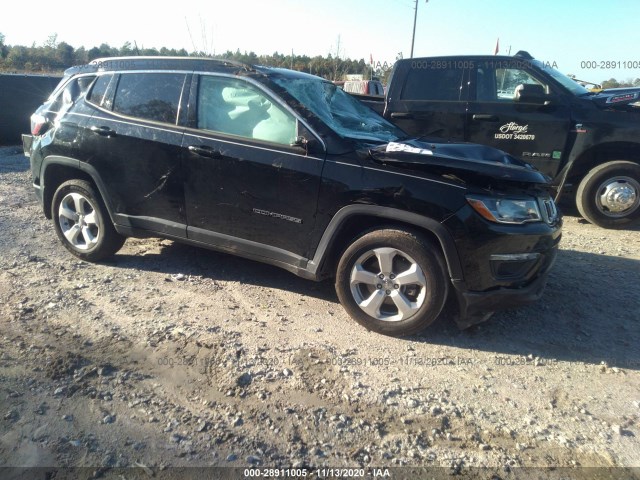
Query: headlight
x=506, y=210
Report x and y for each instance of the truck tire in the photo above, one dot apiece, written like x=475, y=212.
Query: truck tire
x=82, y=223
x=392, y=281
x=609, y=195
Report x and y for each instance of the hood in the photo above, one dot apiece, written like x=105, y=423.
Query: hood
x=458, y=160
x=617, y=98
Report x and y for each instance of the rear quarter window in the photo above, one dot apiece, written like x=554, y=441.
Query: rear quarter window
x=433, y=84
x=72, y=90
x=150, y=96
x=98, y=90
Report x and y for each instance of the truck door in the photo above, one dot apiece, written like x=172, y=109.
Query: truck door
x=535, y=131
x=432, y=100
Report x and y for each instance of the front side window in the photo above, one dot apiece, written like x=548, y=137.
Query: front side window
x=150, y=96
x=502, y=84
x=236, y=107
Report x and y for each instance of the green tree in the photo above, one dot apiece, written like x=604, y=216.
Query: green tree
x=4, y=50
x=64, y=55
x=52, y=41
x=17, y=57
x=126, y=49
x=80, y=56
x=611, y=83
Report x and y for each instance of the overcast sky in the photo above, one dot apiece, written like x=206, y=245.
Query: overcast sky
x=565, y=33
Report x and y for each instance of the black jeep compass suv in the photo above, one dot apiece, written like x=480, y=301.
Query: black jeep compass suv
x=285, y=168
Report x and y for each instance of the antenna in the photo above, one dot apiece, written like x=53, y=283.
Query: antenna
x=203, y=33
x=190, y=36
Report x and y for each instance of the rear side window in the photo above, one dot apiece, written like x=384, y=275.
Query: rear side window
x=434, y=84
x=151, y=96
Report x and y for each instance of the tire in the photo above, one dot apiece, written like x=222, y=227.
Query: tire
x=371, y=287
x=609, y=195
x=81, y=222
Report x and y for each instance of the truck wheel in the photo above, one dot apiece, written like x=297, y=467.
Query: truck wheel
x=609, y=195
x=82, y=223
x=392, y=282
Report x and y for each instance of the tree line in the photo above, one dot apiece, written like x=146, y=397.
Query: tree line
x=55, y=57
x=613, y=83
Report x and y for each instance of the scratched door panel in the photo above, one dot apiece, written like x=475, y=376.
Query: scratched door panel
x=135, y=145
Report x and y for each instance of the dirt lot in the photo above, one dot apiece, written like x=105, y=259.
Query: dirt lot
x=169, y=356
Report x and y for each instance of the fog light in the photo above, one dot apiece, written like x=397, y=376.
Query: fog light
x=512, y=266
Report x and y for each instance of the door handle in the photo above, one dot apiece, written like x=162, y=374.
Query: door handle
x=483, y=117
x=104, y=131
x=402, y=115
x=204, y=151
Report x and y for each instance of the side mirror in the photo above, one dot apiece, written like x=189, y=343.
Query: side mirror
x=299, y=142
x=305, y=140
x=531, y=93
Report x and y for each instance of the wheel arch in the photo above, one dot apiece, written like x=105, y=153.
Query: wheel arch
x=57, y=169
x=600, y=154
x=353, y=220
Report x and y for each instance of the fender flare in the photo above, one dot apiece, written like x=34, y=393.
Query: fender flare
x=83, y=167
x=387, y=213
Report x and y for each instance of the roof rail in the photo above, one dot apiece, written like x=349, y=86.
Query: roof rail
x=157, y=63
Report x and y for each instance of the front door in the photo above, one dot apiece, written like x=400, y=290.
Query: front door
x=245, y=181
x=529, y=131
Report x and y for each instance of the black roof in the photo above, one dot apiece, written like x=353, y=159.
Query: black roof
x=158, y=63
x=521, y=56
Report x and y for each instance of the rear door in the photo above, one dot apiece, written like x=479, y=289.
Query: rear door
x=432, y=99
x=533, y=132
x=134, y=143
x=245, y=185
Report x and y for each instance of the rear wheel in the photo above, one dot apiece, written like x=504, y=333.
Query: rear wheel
x=392, y=281
x=609, y=195
x=82, y=223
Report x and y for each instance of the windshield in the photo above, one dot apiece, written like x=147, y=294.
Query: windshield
x=570, y=84
x=341, y=112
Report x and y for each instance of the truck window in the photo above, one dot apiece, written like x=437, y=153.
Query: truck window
x=500, y=84
x=434, y=84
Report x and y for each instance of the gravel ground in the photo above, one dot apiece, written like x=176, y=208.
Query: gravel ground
x=170, y=356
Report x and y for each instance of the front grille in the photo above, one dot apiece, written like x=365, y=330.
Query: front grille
x=549, y=210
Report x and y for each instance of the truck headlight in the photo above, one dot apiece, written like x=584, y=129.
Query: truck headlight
x=506, y=210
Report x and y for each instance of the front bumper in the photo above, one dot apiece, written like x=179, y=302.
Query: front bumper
x=504, y=266
x=476, y=307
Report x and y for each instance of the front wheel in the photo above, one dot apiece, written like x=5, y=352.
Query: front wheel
x=82, y=223
x=392, y=281
x=609, y=195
